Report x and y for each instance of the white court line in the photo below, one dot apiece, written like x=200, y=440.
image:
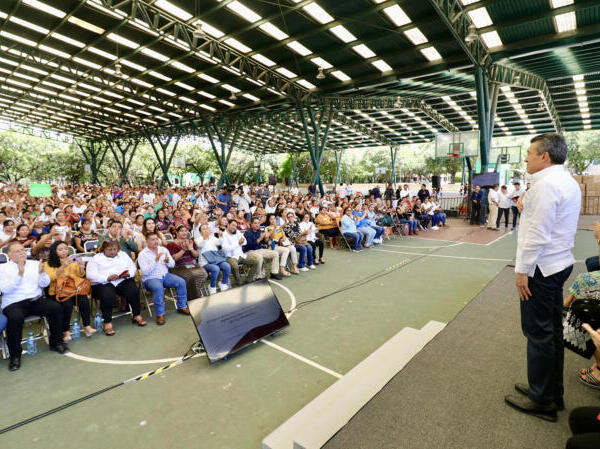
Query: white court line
x=501, y=237
x=443, y=256
x=424, y=247
x=303, y=359
x=292, y=297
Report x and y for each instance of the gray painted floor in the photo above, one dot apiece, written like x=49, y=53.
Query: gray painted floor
x=451, y=394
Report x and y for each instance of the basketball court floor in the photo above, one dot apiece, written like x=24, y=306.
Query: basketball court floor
x=236, y=403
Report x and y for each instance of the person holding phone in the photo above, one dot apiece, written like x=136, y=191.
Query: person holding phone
x=112, y=273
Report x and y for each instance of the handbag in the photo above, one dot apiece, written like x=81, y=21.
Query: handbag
x=301, y=240
x=69, y=286
x=215, y=257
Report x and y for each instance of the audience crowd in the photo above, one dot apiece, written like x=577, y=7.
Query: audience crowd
x=116, y=245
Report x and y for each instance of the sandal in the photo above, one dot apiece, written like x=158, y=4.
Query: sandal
x=321, y=261
x=590, y=381
x=139, y=321
x=108, y=330
x=587, y=370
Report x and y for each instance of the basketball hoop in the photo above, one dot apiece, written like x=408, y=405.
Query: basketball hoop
x=454, y=155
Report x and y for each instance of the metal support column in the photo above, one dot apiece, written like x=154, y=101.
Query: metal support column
x=163, y=157
x=315, y=141
x=338, y=166
x=393, y=154
x=258, y=163
x=483, y=116
x=226, y=141
x=123, y=152
x=94, y=152
x=294, y=170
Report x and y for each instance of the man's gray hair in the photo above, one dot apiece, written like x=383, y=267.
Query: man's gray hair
x=554, y=144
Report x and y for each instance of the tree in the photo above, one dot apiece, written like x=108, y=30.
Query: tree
x=583, y=150
x=200, y=160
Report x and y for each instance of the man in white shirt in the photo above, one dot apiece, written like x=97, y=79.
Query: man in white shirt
x=154, y=262
x=542, y=265
x=231, y=244
x=494, y=204
x=21, y=284
x=342, y=191
x=503, y=207
x=517, y=193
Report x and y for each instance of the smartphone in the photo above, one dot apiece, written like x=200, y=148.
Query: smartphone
x=124, y=273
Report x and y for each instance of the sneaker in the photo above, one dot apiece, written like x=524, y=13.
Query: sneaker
x=212, y=290
x=312, y=267
x=303, y=269
x=356, y=250
x=435, y=228
x=223, y=287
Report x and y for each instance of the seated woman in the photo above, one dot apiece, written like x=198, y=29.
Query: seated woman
x=307, y=225
x=349, y=228
x=294, y=234
x=208, y=242
x=163, y=223
x=260, y=213
x=584, y=307
x=280, y=243
x=242, y=222
x=112, y=273
x=24, y=236
x=439, y=216
x=84, y=234
x=362, y=225
x=8, y=232
x=41, y=249
x=327, y=226
x=185, y=253
x=420, y=214
x=148, y=227
x=60, y=264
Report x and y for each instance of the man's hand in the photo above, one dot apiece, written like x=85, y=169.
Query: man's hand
x=112, y=277
x=596, y=229
x=522, y=283
x=241, y=240
x=594, y=334
x=520, y=203
x=157, y=259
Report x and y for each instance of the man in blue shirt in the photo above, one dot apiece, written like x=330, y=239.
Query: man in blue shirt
x=254, y=248
x=224, y=199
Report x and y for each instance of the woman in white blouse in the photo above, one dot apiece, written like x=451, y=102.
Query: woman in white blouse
x=112, y=273
x=312, y=239
x=207, y=241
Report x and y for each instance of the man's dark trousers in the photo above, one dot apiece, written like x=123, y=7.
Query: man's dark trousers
x=541, y=322
x=592, y=263
x=515, y=215
x=475, y=212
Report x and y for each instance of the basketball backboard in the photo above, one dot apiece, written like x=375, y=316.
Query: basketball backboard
x=465, y=144
x=510, y=155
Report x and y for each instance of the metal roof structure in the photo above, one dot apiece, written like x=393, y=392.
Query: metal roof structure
x=387, y=72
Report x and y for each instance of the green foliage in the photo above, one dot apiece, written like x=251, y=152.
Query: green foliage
x=584, y=149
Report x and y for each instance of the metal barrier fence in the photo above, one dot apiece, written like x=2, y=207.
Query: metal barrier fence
x=454, y=206
x=590, y=205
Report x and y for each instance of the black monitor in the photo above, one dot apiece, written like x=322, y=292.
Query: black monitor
x=231, y=320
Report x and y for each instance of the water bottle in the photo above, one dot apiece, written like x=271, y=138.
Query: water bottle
x=31, y=344
x=75, y=330
x=98, y=322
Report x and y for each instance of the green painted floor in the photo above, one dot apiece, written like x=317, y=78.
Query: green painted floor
x=236, y=403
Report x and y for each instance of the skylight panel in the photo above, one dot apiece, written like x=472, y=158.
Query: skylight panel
x=183, y=67
x=480, y=17
x=565, y=22
x=133, y=65
x=184, y=86
x=102, y=53
x=416, y=36
x=382, y=65
x=230, y=88
x=29, y=25
x=209, y=108
x=121, y=40
x=306, y=84
x=285, y=72
x=317, y=13
x=237, y=45
x=87, y=63
x=44, y=7
x=68, y=40
x=263, y=60
x=208, y=78
x=20, y=39
x=54, y=51
x=174, y=10
x=577, y=77
x=431, y=53
x=243, y=11
x=299, y=48
x=397, y=15
x=559, y=3
x=320, y=62
x=343, y=34
x=154, y=54
x=273, y=31
x=364, y=51
x=340, y=75
x=142, y=83
x=206, y=94
x=468, y=2
x=251, y=97
x=85, y=25
x=491, y=39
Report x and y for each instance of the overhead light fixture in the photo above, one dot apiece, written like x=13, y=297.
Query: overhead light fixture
x=471, y=34
x=320, y=74
x=118, y=70
x=541, y=107
x=233, y=96
x=517, y=81
x=199, y=31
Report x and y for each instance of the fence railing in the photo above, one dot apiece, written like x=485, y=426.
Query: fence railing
x=454, y=206
x=590, y=205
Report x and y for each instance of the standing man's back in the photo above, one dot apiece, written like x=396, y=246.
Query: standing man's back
x=543, y=264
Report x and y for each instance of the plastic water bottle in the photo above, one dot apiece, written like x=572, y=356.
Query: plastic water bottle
x=98, y=322
x=31, y=344
x=75, y=330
